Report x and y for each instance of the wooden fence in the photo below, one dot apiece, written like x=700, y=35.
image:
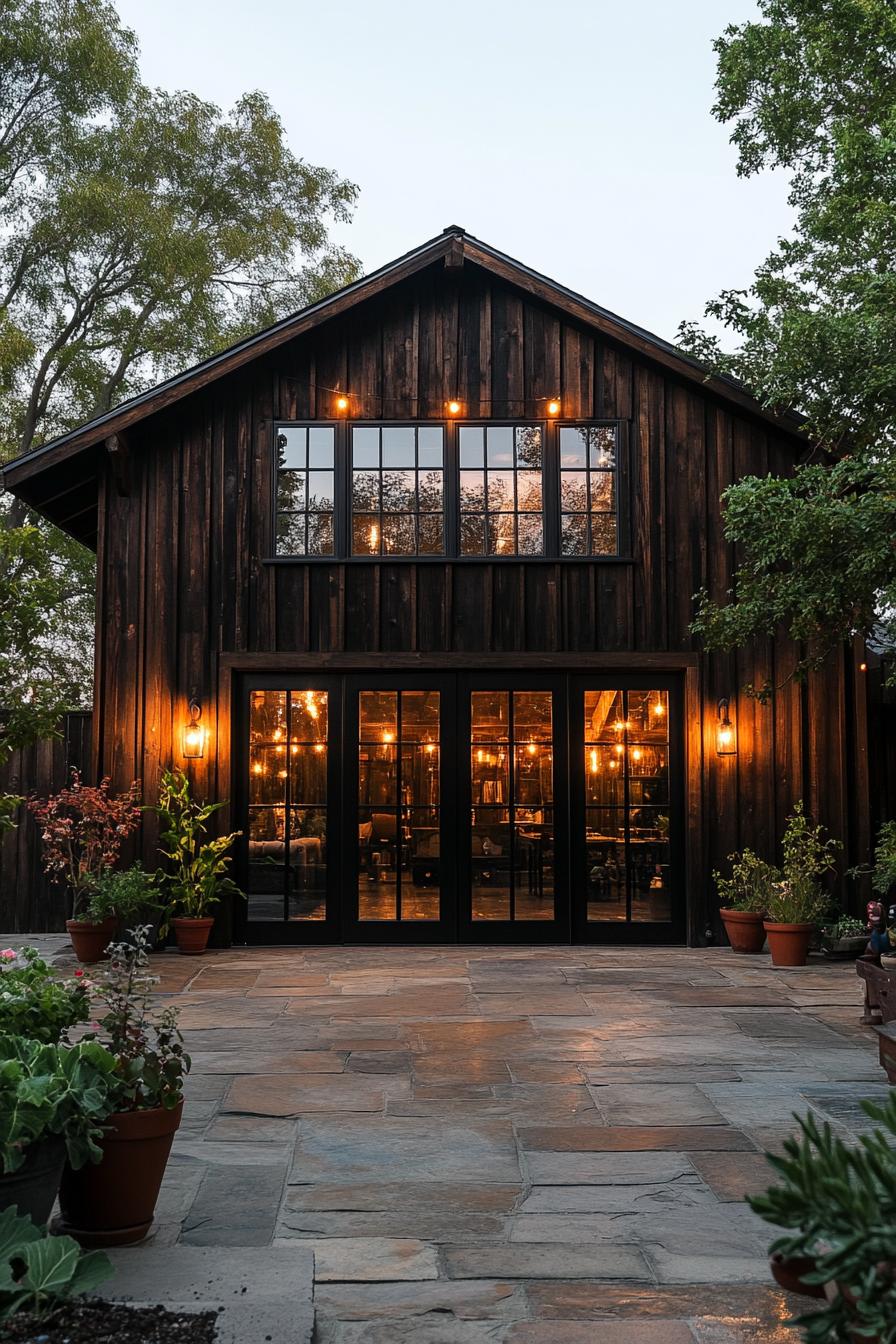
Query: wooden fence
x=28, y=903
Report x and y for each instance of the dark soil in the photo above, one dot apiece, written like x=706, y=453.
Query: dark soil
x=88, y=1322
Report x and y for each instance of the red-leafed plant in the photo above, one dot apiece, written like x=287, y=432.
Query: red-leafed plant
x=83, y=828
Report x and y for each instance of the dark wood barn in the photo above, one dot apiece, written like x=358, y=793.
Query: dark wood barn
x=423, y=556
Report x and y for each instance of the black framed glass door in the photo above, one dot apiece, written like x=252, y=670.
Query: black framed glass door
x=627, y=809
x=513, y=877
x=399, y=809
x=442, y=807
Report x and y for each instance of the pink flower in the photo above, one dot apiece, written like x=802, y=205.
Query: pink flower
x=78, y=974
x=8, y=954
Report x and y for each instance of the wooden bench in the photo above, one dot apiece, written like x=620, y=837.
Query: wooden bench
x=880, y=993
x=886, y=1042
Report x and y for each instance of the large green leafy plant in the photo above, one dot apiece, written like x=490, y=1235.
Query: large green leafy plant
x=749, y=888
x=809, y=854
x=50, y=1091
x=150, y=1062
x=839, y=1203
x=37, y=1272
x=34, y=1002
x=199, y=873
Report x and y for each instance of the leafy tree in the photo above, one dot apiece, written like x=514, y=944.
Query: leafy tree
x=810, y=87
x=140, y=231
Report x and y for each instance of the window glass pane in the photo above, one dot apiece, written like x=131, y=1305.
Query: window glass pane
x=573, y=446
x=291, y=447
x=530, y=534
x=291, y=534
x=472, y=446
x=472, y=490
x=602, y=492
x=603, y=534
x=398, y=447
x=365, y=491
x=500, y=491
x=321, y=494
x=399, y=534
x=528, y=491
x=291, y=490
x=308, y=717
x=365, y=447
x=500, y=534
x=365, y=534
x=574, y=534
x=602, y=440
x=574, y=491
x=399, y=491
x=472, y=532
x=528, y=446
x=430, y=446
x=321, y=447
x=320, y=534
x=430, y=534
x=499, y=446
x=430, y=490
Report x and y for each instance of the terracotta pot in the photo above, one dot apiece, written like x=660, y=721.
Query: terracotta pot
x=788, y=943
x=89, y=939
x=744, y=930
x=112, y=1202
x=788, y=1274
x=192, y=935
x=33, y=1188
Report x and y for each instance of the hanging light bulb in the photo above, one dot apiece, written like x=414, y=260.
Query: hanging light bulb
x=531, y=748
x=342, y=402
x=554, y=406
x=453, y=407
x=593, y=760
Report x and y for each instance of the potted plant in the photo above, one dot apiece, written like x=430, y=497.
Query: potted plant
x=124, y=896
x=83, y=829
x=198, y=875
x=798, y=901
x=53, y=1101
x=844, y=938
x=839, y=1203
x=112, y=1203
x=744, y=898
x=34, y=1002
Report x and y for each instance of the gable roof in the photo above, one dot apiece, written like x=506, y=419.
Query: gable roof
x=454, y=243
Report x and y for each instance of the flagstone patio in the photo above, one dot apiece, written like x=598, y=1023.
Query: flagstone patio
x=508, y=1144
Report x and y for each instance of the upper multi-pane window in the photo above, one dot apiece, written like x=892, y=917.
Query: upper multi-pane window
x=588, y=490
x=398, y=490
x=306, y=490
x=362, y=490
x=501, y=490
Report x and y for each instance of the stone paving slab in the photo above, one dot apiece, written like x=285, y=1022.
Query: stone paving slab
x=505, y=1144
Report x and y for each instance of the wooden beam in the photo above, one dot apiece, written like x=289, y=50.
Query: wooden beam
x=120, y=462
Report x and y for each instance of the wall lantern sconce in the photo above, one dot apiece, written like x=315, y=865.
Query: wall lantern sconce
x=726, y=744
x=194, y=734
x=554, y=406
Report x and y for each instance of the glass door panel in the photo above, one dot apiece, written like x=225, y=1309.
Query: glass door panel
x=287, y=805
x=628, y=860
x=511, y=843
x=399, y=806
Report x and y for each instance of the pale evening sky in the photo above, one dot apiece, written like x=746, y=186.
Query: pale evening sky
x=575, y=136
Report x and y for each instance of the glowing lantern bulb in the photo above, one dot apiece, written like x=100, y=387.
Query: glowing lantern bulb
x=342, y=403
x=454, y=408
x=593, y=756
x=553, y=406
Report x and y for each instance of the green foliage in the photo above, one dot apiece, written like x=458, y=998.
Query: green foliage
x=808, y=856
x=140, y=231
x=749, y=888
x=840, y=1204
x=845, y=927
x=198, y=876
x=47, y=1090
x=36, y=1003
x=883, y=876
x=809, y=87
x=150, y=1062
x=38, y=1271
x=123, y=895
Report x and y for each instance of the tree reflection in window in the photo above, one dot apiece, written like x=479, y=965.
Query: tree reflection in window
x=306, y=495
x=398, y=490
x=501, y=498
x=588, y=490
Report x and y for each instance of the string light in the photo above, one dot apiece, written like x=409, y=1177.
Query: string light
x=342, y=403
x=553, y=407
x=453, y=407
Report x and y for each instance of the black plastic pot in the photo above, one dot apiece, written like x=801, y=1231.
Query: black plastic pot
x=34, y=1187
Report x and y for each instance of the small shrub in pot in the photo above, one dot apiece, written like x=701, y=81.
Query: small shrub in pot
x=744, y=897
x=113, y=1203
x=199, y=868
x=799, y=901
x=36, y=1003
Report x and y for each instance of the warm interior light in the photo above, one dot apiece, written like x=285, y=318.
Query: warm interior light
x=659, y=708
x=636, y=753
x=281, y=774
x=619, y=748
x=294, y=749
x=454, y=407
x=480, y=756
x=193, y=745
x=342, y=403
x=430, y=747
x=531, y=748
x=553, y=407
x=319, y=747
x=725, y=742
x=374, y=537
x=257, y=768
x=388, y=736
x=863, y=667
x=593, y=755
